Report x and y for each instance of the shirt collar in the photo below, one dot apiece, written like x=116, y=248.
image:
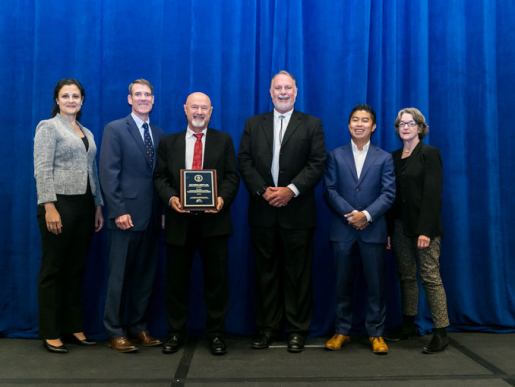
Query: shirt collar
x=355, y=147
x=190, y=133
x=139, y=122
x=286, y=115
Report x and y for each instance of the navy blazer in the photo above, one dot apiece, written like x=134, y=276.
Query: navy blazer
x=126, y=174
x=374, y=191
x=219, y=154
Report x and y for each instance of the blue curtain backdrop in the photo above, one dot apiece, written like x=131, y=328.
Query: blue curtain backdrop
x=454, y=60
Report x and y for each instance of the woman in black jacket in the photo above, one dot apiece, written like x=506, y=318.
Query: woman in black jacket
x=415, y=227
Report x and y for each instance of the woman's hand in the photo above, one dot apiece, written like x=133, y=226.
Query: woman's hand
x=53, y=219
x=423, y=242
x=99, y=219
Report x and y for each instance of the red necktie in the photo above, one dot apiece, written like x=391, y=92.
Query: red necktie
x=197, y=152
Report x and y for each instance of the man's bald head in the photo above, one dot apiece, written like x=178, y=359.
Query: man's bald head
x=198, y=111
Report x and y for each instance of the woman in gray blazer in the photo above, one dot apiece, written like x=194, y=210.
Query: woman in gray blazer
x=415, y=227
x=69, y=210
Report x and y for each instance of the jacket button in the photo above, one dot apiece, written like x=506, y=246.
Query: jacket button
x=357, y=189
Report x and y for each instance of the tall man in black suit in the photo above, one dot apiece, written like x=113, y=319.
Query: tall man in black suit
x=127, y=160
x=281, y=160
x=197, y=147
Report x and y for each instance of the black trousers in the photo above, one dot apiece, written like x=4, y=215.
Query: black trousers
x=62, y=265
x=283, y=265
x=213, y=252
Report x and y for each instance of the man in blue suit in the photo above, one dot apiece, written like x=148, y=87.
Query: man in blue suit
x=359, y=187
x=127, y=161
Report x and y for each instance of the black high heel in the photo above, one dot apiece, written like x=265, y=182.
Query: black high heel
x=72, y=339
x=55, y=349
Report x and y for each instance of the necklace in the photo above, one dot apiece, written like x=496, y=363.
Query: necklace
x=405, y=151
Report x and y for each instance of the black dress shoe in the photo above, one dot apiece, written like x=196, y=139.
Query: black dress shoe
x=401, y=334
x=262, y=341
x=173, y=343
x=217, y=346
x=72, y=339
x=437, y=344
x=53, y=349
x=296, y=343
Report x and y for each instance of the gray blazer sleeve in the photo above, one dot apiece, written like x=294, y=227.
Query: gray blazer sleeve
x=44, y=150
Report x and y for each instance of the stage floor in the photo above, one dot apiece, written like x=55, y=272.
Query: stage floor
x=473, y=359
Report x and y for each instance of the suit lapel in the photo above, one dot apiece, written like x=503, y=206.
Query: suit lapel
x=295, y=121
x=369, y=160
x=134, y=131
x=349, y=159
x=413, y=155
x=210, y=150
x=179, y=154
x=156, y=138
x=268, y=129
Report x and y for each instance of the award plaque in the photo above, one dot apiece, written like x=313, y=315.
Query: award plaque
x=198, y=189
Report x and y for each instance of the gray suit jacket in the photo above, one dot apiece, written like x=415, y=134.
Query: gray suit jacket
x=61, y=164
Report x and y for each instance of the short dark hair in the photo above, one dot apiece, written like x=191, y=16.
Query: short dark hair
x=365, y=108
x=418, y=117
x=57, y=89
x=141, y=82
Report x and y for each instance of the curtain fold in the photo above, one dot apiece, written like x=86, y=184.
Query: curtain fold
x=455, y=61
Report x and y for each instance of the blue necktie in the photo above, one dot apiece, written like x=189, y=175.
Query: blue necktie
x=148, y=144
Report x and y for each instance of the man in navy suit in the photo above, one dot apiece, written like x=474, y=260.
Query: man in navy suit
x=359, y=187
x=197, y=147
x=127, y=161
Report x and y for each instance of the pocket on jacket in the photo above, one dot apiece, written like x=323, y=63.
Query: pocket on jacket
x=130, y=195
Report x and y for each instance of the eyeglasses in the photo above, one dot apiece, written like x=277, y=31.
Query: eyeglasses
x=411, y=124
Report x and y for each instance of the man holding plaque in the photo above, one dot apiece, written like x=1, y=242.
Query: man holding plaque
x=191, y=225
x=281, y=160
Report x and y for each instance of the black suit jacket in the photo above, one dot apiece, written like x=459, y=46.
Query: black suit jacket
x=219, y=154
x=301, y=162
x=419, y=192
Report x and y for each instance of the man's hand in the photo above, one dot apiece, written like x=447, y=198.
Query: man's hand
x=124, y=222
x=359, y=220
x=176, y=205
x=219, y=206
x=278, y=196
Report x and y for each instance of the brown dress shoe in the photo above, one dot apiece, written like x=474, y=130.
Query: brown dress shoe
x=145, y=339
x=121, y=344
x=336, y=342
x=378, y=345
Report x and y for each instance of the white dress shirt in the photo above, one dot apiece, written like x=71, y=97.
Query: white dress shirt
x=190, y=146
x=359, y=160
x=278, y=137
